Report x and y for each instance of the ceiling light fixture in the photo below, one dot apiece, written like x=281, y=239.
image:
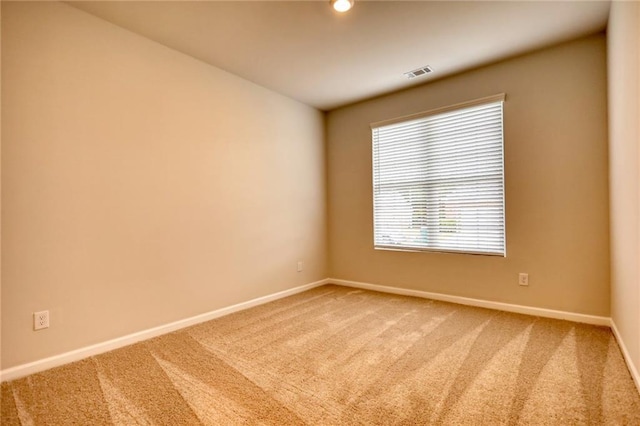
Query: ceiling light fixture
x=342, y=5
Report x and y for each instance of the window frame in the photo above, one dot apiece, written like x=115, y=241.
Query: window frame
x=501, y=97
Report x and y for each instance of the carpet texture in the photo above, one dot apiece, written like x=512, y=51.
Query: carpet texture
x=340, y=356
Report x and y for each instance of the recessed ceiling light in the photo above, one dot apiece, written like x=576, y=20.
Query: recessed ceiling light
x=418, y=72
x=342, y=5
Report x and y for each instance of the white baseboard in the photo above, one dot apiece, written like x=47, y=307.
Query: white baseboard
x=625, y=353
x=520, y=309
x=99, y=348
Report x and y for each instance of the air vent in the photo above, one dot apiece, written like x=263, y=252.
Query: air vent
x=418, y=72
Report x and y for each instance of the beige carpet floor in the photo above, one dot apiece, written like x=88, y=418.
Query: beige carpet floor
x=340, y=356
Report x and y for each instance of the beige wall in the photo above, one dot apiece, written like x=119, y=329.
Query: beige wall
x=141, y=186
x=0, y=189
x=624, y=153
x=555, y=182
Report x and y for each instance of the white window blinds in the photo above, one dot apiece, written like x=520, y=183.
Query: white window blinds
x=438, y=180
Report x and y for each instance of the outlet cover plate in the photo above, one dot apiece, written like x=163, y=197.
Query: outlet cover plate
x=40, y=320
x=523, y=278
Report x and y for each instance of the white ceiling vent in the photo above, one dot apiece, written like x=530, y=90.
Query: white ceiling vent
x=418, y=72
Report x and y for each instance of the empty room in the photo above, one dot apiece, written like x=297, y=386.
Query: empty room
x=332, y=212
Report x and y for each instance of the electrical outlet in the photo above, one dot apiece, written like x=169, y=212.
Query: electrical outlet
x=523, y=279
x=299, y=265
x=40, y=320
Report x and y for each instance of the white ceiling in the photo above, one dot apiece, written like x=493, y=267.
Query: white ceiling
x=305, y=50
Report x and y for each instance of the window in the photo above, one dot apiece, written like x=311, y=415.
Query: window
x=438, y=180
